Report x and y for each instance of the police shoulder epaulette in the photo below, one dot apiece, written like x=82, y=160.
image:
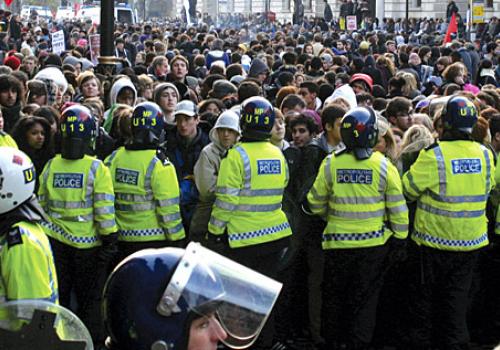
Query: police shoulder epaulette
x=14, y=237
x=163, y=158
x=434, y=145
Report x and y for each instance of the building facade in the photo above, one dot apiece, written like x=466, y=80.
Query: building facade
x=383, y=8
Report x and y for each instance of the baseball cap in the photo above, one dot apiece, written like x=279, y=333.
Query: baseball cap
x=186, y=107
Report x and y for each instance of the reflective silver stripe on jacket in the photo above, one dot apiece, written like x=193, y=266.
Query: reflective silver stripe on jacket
x=104, y=210
x=412, y=184
x=383, y=176
x=217, y=222
x=134, y=207
x=394, y=197
x=316, y=196
x=357, y=215
x=357, y=200
x=246, y=167
x=91, y=178
x=328, y=172
x=170, y=217
x=129, y=197
x=451, y=214
x=176, y=229
x=249, y=193
x=107, y=223
x=149, y=173
x=399, y=209
x=488, y=169
x=399, y=227
x=75, y=218
x=441, y=170
x=110, y=158
x=168, y=202
x=70, y=204
x=104, y=197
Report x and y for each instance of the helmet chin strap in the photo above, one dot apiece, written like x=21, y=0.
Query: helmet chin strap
x=30, y=210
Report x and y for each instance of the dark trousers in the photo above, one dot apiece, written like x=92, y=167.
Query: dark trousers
x=352, y=281
x=439, y=298
x=80, y=273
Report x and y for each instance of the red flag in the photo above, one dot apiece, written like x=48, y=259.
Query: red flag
x=8, y=2
x=452, y=28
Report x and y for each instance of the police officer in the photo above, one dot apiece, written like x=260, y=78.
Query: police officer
x=188, y=299
x=76, y=192
x=247, y=211
x=146, y=187
x=359, y=193
x=27, y=269
x=450, y=181
x=247, y=222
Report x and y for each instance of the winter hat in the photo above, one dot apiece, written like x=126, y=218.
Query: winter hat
x=222, y=88
x=257, y=67
x=12, y=62
x=53, y=60
x=159, y=89
x=228, y=119
x=72, y=60
x=237, y=79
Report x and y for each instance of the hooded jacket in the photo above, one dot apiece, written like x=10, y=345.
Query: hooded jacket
x=118, y=86
x=257, y=67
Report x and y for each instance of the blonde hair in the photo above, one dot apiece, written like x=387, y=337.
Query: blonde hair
x=385, y=132
x=416, y=138
x=410, y=83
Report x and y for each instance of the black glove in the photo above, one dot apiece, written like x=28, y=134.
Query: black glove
x=217, y=243
x=108, y=249
x=397, y=250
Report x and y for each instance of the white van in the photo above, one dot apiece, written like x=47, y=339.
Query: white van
x=123, y=14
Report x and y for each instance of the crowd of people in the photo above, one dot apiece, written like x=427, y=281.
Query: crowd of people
x=163, y=152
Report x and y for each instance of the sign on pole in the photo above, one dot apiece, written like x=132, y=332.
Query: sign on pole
x=95, y=47
x=58, y=44
x=477, y=12
x=352, y=23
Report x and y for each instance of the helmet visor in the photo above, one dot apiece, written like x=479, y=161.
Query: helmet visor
x=212, y=285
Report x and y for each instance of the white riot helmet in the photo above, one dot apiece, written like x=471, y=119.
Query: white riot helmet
x=17, y=178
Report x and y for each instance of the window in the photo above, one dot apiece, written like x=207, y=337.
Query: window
x=489, y=3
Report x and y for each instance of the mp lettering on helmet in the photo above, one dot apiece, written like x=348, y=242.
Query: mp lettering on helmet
x=269, y=167
x=466, y=166
x=126, y=176
x=68, y=180
x=354, y=176
x=29, y=175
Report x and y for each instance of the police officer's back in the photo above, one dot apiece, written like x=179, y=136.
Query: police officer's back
x=450, y=181
x=76, y=192
x=146, y=187
x=359, y=193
